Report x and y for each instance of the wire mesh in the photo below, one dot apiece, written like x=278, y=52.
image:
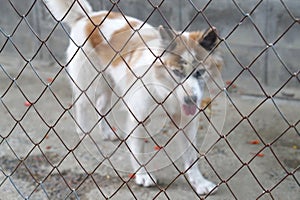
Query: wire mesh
x=42, y=157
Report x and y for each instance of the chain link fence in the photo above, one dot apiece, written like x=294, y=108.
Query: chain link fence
x=248, y=137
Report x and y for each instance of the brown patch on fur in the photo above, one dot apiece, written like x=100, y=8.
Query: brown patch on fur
x=93, y=25
x=134, y=57
x=123, y=43
x=94, y=35
x=206, y=102
x=196, y=36
x=173, y=60
x=121, y=38
x=127, y=45
x=98, y=19
x=107, y=50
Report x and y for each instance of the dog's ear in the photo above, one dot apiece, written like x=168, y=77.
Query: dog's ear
x=168, y=38
x=209, y=39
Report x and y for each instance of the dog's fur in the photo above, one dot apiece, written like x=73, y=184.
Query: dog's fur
x=147, y=66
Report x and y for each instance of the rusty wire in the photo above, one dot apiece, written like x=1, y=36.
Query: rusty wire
x=73, y=191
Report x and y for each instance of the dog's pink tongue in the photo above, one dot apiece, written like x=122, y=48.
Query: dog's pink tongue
x=189, y=109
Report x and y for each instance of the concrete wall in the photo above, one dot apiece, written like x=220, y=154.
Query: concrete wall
x=250, y=36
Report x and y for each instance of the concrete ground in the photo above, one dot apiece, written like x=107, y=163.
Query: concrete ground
x=40, y=158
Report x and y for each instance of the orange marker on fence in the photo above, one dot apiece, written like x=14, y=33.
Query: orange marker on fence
x=230, y=83
x=259, y=154
x=254, y=142
x=49, y=80
x=157, y=148
x=27, y=104
x=131, y=175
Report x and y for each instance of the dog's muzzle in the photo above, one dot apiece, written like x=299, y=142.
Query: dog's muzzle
x=190, y=105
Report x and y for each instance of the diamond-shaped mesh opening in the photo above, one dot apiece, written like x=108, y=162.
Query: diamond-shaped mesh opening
x=287, y=141
x=48, y=49
x=153, y=12
x=244, y=177
x=268, y=134
x=211, y=7
x=7, y=124
x=108, y=180
x=61, y=190
x=283, y=63
x=284, y=182
x=26, y=51
x=260, y=172
x=16, y=136
x=125, y=119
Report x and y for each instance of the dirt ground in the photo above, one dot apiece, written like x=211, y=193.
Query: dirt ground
x=41, y=157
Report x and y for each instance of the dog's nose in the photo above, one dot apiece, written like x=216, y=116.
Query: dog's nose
x=190, y=99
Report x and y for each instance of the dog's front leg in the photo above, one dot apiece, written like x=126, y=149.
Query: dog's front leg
x=103, y=104
x=81, y=104
x=136, y=145
x=188, y=145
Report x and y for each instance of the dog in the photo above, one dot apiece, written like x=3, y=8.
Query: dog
x=148, y=69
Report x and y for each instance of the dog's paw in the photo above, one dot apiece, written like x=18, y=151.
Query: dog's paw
x=145, y=180
x=205, y=187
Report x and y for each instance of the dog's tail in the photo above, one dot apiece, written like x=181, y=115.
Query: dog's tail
x=69, y=11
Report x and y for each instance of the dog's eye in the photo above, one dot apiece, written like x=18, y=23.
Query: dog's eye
x=198, y=74
x=178, y=73
x=183, y=63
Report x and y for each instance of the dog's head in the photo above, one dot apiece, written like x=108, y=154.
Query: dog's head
x=190, y=60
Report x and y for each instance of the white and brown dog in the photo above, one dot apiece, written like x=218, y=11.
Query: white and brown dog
x=149, y=69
